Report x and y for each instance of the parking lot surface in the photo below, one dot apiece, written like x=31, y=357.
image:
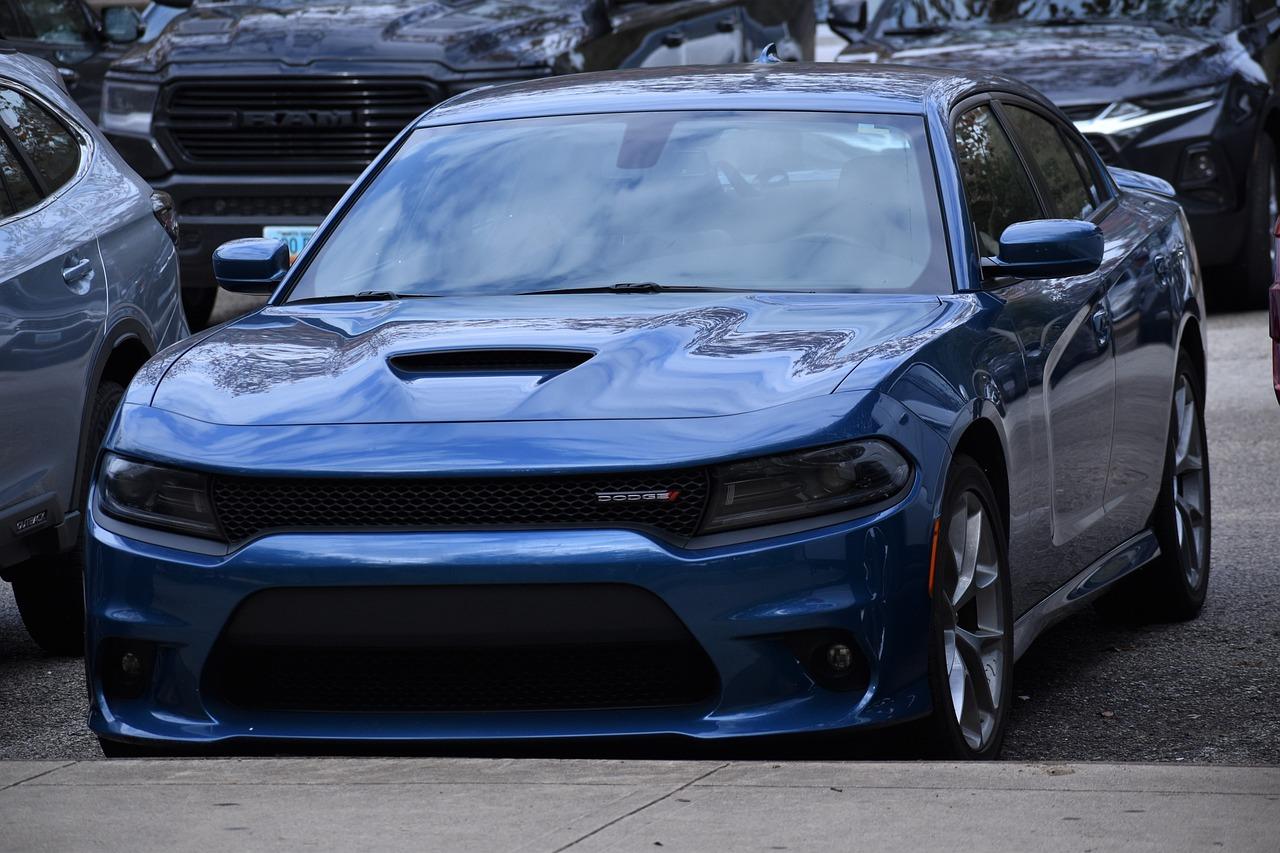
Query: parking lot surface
x=1199, y=692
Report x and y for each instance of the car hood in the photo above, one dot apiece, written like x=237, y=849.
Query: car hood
x=646, y=356
x=460, y=34
x=1071, y=64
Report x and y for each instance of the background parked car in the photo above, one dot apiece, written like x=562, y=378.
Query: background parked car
x=257, y=116
x=1185, y=91
x=78, y=41
x=88, y=292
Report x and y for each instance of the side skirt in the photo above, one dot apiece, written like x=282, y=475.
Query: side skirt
x=1084, y=587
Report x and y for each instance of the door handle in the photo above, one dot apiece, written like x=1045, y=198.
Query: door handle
x=726, y=25
x=74, y=270
x=1101, y=323
x=674, y=38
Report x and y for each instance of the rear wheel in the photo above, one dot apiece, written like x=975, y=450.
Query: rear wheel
x=1174, y=585
x=971, y=647
x=50, y=590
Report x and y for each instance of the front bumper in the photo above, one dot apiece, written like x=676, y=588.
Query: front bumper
x=742, y=603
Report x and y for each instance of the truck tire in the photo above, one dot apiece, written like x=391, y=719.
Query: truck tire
x=1254, y=267
x=50, y=590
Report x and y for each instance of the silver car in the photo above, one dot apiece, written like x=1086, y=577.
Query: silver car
x=88, y=293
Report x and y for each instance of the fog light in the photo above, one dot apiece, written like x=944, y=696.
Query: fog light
x=1199, y=167
x=839, y=657
x=126, y=667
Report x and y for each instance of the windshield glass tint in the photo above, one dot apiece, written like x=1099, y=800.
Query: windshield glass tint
x=910, y=14
x=751, y=200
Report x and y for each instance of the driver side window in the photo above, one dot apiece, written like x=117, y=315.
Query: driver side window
x=997, y=187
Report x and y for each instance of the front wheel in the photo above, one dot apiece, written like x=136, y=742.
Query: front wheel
x=1255, y=266
x=971, y=642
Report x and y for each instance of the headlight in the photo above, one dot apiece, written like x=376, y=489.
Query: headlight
x=1124, y=119
x=127, y=107
x=812, y=482
x=155, y=496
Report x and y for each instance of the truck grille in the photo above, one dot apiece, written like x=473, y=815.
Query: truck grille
x=246, y=507
x=303, y=123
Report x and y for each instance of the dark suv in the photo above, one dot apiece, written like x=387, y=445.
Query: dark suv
x=257, y=116
x=1185, y=90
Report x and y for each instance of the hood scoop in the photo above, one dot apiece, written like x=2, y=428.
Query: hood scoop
x=542, y=363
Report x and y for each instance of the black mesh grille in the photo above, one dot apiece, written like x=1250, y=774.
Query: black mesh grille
x=288, y=122
x=479, y=647
x=309, y=206
x=246, y=507
x=476, y=679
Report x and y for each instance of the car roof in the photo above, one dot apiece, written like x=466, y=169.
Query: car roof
x=843, y=87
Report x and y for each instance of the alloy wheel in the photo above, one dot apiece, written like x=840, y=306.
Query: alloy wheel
x=973, y=627
x=1189, y=487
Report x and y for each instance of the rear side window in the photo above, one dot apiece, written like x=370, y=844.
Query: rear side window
x=16, y=190
x=53, y=151
x=1044, y=145
x=998, y=189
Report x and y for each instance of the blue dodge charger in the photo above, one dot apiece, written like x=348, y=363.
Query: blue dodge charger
x=716, y=402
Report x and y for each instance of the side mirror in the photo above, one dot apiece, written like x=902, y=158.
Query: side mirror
x=1047, y=248
x=848, y=19
x=121, y=24
x=252, y=265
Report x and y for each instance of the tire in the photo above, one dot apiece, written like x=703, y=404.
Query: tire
x=197, y=304
x=1173, y=587
x=50, y=591
x=976, y=572
x=1254, y=268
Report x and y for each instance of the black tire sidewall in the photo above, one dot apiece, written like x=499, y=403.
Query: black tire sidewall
x=1254, y=267
x=964, y=475
x=1183, y=600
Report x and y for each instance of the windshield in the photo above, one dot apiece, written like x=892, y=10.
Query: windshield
x=1190, y=14
x=749, y=200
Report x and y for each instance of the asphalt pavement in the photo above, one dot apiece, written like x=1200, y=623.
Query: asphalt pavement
x=1202, y=692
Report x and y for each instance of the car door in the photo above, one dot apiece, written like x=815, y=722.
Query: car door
x=53, y=301
x=1064, y=329
x=66, y=34
x=650, y=34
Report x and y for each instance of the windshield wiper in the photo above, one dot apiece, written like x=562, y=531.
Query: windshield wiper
x=362, y=296
x=643, y=287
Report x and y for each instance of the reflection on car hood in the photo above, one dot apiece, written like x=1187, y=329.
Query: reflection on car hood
x=655, y=356
x=456, y=33
x=1074, y=64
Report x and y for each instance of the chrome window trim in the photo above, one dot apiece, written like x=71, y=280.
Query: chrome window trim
x=87, y=147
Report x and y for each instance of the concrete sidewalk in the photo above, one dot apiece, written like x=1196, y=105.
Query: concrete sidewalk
x=548, y=805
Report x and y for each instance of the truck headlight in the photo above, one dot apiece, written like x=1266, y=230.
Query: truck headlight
x=127, y=107
x=811, y=482
x=156, y=496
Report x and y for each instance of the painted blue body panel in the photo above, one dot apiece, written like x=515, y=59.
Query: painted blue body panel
x=681, y=380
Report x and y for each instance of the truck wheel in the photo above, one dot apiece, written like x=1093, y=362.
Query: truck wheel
x=197, y=304
x=1255, y=267
x=50, y=590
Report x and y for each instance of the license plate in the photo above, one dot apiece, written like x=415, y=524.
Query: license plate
x=295, y=237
